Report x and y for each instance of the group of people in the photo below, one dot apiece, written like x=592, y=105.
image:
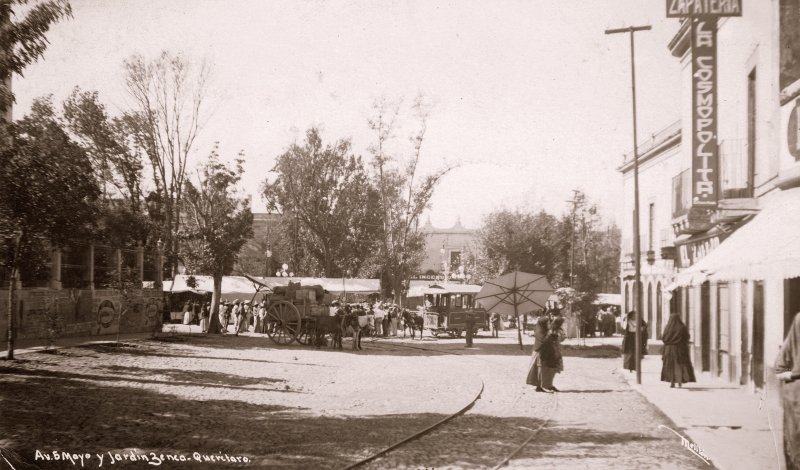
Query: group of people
x=603, y=322
x=246, y=316
x=377, y=319
x=546, y=360
x=676, y=367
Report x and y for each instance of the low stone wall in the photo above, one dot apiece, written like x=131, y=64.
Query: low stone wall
x=73, y=312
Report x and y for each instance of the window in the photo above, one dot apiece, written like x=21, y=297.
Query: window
x=751, y=132
x=651, y=225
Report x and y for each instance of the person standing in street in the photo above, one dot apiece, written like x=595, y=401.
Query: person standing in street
x=470, y=327
x=495, y=323
x=787, y=369
x=225, y=316
x=555, y=336
x=676, y=364
x=204, y=314
x=629, y=340
x=539, y=374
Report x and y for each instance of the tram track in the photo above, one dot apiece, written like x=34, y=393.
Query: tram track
x=448, y=419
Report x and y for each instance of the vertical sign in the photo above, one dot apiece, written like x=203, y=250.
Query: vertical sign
x=705, y=150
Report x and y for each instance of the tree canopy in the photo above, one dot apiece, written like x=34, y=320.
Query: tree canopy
x=218, y=222
x=326, y=191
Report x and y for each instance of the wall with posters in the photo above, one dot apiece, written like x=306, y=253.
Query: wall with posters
x=73, y=312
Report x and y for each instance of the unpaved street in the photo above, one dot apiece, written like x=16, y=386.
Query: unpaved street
x=211, y=400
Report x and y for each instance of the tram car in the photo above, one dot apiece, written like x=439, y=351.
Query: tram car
x=445, y=309
x=293, y=310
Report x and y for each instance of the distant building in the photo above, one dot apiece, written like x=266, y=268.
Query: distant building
x=447, y=249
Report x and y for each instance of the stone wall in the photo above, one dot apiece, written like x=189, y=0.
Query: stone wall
x=75, y=312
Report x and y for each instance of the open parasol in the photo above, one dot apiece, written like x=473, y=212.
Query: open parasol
x=515, y=292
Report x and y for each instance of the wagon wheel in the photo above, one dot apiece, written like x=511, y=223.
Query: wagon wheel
x=308, y=331
x=283, y=322
x=458, y=332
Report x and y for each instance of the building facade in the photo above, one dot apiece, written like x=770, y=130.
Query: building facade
x=658, y=156
x=449, y=251
x=731, y=270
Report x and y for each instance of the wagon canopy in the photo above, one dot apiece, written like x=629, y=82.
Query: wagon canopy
x=330, y=284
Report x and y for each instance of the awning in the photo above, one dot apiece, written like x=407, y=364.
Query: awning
x=766, y=247
x=608, y=299
x=442, y=288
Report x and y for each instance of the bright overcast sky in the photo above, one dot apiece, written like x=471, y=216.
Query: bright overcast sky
x=530, y=96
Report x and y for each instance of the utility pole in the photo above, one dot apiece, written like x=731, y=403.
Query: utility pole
x=637, y=282
x=574, y=202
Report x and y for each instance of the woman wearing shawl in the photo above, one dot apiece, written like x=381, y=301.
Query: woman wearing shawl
x=629, y=340
x=787, y=368
x=539, y=374
x=677, y=366
x=551, y=351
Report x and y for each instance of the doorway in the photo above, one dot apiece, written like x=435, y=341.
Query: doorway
x=791, y=296
x=758, y=334
x=705, y=326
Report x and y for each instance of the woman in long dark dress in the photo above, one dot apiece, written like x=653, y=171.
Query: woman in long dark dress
x=787, y=368
x=677, y=365
x=539, y=374
x=629, y=340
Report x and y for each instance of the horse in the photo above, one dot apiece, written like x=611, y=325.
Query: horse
x=413, y=322
x=333, y=325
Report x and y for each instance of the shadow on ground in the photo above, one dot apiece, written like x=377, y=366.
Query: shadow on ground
x=48, y=411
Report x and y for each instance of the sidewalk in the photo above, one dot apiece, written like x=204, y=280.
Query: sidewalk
x=728, y=423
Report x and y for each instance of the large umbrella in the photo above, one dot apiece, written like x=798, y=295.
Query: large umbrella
x=515, y=292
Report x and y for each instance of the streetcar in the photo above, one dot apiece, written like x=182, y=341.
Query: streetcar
x=447, y=306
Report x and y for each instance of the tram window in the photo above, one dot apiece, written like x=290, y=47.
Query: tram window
x=457, y=301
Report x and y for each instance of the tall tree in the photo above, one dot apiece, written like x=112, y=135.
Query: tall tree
x=107, y=141
x=48, y=190
x=169, y=95
x=218, y=223
x=23, y=40
x=325, y=193
x=516, y=241
x=404, y=193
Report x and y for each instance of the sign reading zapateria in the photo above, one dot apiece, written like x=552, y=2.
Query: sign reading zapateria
x=717, y=8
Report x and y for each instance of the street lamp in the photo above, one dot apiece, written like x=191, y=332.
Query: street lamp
x=284, y=271
x=637, y=281
x=442, y=251
x=268, y=267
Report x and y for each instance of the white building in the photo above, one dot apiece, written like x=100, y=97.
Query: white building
x=735, y=273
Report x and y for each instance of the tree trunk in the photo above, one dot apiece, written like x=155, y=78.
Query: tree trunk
x=214, y=326
x=12, y=284
x=11, y=304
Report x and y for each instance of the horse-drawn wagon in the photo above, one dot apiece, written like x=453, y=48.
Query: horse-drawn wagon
x=293, y=312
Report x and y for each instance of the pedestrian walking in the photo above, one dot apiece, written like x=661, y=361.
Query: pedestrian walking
x=629, y=340
x=540, y=374
x=676, y=364
x=787, y=368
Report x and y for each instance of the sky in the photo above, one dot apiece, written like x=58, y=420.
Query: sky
x=530, y=99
